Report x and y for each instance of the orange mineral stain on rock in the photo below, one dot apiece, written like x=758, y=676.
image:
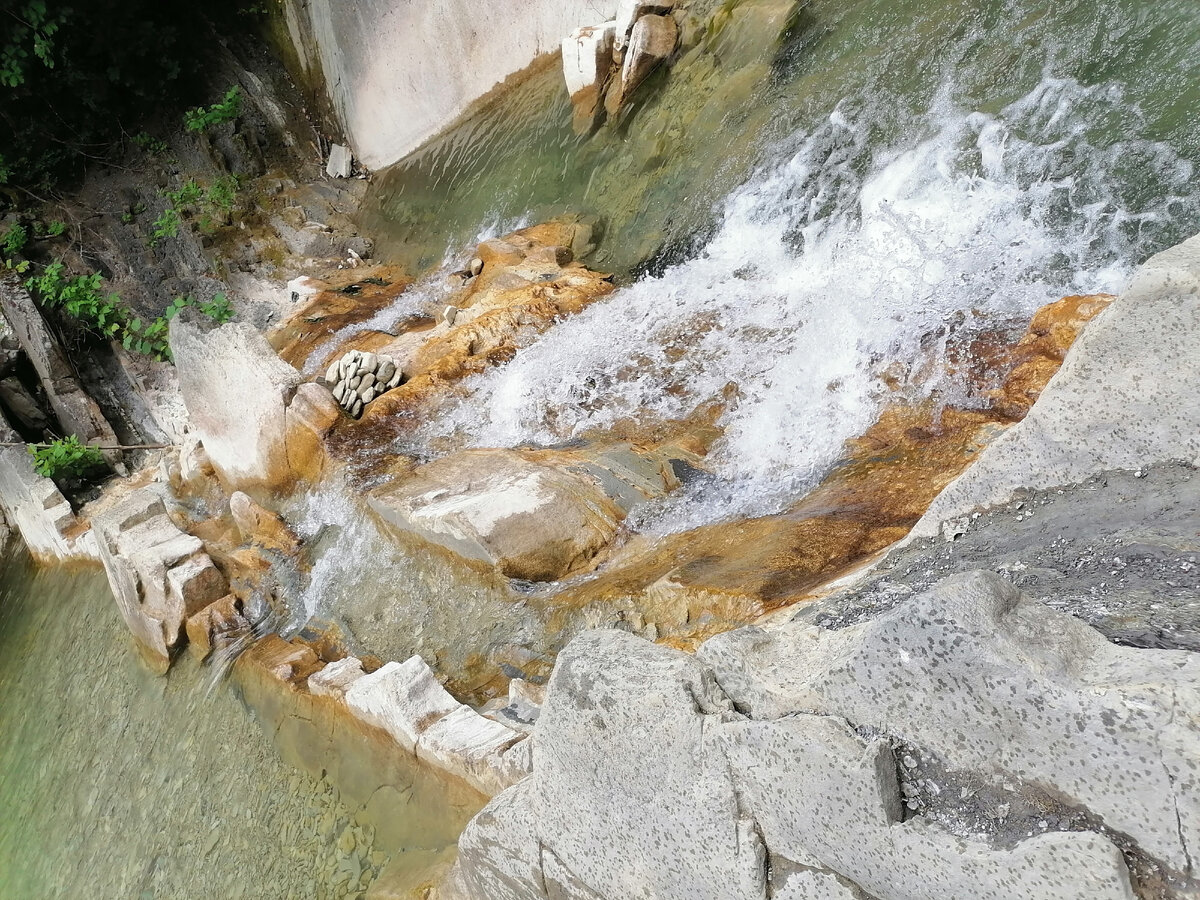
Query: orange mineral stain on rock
x=714, y=578
x=528, y=281
x=351, y=296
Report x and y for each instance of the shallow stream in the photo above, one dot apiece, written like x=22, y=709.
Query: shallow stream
x=115, y=783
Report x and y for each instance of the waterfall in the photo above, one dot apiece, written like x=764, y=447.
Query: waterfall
x=838, y=260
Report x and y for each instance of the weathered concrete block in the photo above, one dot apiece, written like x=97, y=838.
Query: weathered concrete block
x=454, y=52
x=587, y=56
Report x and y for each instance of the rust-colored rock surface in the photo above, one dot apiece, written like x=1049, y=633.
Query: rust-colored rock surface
x=350, y=297
x=529, y=280
x=692, y=585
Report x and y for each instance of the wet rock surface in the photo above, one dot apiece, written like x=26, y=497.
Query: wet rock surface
x=1119, y=551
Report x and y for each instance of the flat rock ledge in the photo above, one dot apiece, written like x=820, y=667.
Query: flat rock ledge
x=973, y=743
x=408, y=705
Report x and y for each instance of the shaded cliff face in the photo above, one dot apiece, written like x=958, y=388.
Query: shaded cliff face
x=395, y=72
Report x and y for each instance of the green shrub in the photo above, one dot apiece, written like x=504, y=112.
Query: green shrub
x=206, y=206
x=13, y=241
x=106, y=315
x=226, y=110
x=151, y=145
x=65, y=457
x=219, y=309
x=80, y=298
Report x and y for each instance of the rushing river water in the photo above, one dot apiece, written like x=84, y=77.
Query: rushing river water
x=801, y=200
x=115, y=783
x=810, y=205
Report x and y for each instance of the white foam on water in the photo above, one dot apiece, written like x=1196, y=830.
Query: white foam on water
x=827, y=268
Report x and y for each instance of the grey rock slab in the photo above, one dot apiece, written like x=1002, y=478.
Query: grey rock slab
x=1120, y=551
x=469, y=746
x=997, y=684
x=1124, y=398
x=499, y=854
x=633, y=793
x=812, y=881
x=404, y=699
x=815, y=787
x=340, y=163
x=336, y=678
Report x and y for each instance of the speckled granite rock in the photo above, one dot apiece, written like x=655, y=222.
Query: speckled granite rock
x=768, y=765
x=1123, y=399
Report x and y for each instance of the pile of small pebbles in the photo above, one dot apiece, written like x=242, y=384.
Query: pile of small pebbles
x=358, y=378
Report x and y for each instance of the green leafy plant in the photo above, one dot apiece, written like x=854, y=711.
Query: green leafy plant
x=32, y=27
x=65, y=457
x=49, y=229
x=208, y=207
x=106, y=315
x=219, y=309
x=226, y=110
x=12, y=242
x=151, y=145
x=81, y=298
x=165, y=226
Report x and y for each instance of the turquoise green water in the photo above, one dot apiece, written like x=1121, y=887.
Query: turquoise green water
x=1111, y=88
x=117, y=784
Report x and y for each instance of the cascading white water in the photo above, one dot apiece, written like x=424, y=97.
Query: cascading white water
x=841, y=259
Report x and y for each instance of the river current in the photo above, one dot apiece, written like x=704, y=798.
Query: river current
x=796, y=212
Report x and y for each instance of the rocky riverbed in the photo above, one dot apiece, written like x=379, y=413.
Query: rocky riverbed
x=849, y=552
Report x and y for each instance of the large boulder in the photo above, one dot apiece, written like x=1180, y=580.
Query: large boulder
x=260, y=426
x=993, y=683
x=651, y=42
x=783, y=762
x=1123, y=399
x=536, y=516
